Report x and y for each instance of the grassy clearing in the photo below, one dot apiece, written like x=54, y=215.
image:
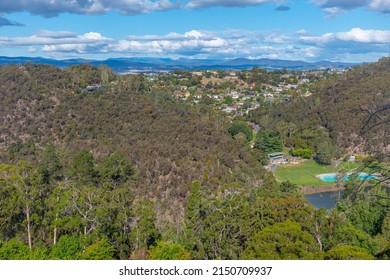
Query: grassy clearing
x=304, y=174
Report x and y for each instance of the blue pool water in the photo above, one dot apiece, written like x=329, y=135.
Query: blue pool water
x=333, y=177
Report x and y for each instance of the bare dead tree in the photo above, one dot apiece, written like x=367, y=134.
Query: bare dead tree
x=376, y=133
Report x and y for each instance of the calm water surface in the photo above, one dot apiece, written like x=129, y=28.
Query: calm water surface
x=324, y=200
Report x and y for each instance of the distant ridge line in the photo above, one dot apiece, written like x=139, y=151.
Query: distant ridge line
x=123, y=65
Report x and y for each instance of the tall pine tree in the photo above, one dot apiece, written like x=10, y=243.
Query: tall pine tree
x=194, y=225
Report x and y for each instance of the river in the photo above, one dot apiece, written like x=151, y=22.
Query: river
x=325, y=200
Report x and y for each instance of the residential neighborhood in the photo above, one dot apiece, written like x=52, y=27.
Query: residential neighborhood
x=238, y=92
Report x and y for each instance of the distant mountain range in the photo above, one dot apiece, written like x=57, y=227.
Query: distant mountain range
x=125, y=65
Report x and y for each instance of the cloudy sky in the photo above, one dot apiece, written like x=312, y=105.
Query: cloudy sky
x=310, y=30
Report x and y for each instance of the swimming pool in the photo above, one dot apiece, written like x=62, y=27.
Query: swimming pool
x=333, y=177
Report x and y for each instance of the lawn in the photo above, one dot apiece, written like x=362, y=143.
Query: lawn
x=304, y=174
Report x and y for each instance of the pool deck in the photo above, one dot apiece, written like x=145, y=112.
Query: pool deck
x=326, y=174
x=328, y=177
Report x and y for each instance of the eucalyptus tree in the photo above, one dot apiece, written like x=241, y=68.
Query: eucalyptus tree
x=21, y=182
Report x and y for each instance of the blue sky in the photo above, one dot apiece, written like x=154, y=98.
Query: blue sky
x=310, y=30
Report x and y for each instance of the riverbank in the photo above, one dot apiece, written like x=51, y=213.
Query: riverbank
x=319, y=189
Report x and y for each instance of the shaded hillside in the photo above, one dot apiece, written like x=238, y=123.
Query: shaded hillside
x=352, y=109
x=169, y=144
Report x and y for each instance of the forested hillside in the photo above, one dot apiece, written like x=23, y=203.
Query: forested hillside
x=98, y=166
x=169, y=145
x=349, y=111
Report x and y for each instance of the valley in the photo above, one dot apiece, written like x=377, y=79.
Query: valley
x=191, y=164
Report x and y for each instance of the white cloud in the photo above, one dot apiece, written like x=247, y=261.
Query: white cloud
x=302, y=32
x=31, y=49
x=191, y=42
x=277, y=38
x=170, y=36
x=74, y=48
x=50, y=8
x=55, y=34
x=58, y=41
x=93, y=36
x=368, y=45
x=333, y=11
x=354, y=35
x=334, y=7
x=325, y=38
x=318, y=2
x=81, y=44
x=365, y=36
x=196, y=4
x=194, y=34
x=383, y=5
x=208, y=44
x=215, y=43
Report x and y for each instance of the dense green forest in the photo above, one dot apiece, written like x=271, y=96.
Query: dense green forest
x=122, y=171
